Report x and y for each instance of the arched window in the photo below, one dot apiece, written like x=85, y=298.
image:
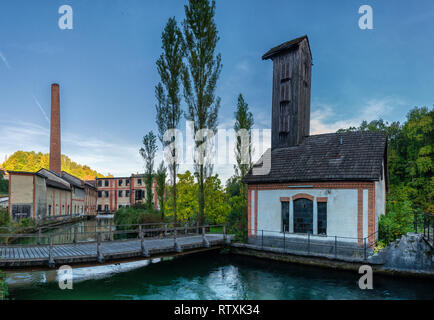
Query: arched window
x=303, y=215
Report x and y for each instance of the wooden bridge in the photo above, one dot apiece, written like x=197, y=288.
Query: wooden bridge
x=103, y=248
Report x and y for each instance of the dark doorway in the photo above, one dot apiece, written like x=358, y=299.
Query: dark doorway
x=303, y=216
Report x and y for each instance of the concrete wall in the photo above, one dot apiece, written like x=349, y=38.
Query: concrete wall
x=59, y=200
x=21, y=191
x=40, y=198
x=341, y=209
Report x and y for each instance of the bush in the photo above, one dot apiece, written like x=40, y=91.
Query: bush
x=3, y=287
x=5, y=219
x=26, y=222
x=135, y=215
x=397, y=222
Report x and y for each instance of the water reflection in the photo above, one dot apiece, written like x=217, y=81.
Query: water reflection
x=84, y=231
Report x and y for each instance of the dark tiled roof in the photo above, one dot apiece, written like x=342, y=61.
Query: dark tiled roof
x=323, y=158
x=55, y=184
x=284, y=46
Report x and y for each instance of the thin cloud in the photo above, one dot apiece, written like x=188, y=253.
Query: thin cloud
x=42, y=109
x=5, y=61
x=323, y=118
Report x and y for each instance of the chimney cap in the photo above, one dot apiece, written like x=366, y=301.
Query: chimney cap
x=55, y=84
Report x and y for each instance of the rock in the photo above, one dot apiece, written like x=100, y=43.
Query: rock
x=410, y=252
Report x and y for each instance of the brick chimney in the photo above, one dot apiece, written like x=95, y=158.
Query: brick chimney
x=55, y=152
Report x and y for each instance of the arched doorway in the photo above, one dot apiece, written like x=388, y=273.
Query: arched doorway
x=303, y=216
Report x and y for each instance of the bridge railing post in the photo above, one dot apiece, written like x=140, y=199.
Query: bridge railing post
x=75, y=234
x=197, y=227
x=39, y=236
x=100, y=255
x=165, y=230
x=175, y=242
x=111, y=230
x=204, y=239
x=51, y=262
x=144, y=249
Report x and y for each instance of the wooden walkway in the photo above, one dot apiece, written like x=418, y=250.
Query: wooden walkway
x=39, y=255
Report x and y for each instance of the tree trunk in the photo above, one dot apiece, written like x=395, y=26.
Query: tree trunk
x=201, y=196
x=174, y=194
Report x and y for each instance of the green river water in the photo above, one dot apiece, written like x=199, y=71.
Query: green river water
x=214, y=276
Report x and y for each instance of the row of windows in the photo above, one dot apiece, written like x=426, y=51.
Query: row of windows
x=106, y=207
x=121, y=182
x=121, y=194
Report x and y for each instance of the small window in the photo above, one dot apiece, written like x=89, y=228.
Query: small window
x=99, y=183
x=322, y=217
x=106, y=183
x=120, y=182
x=127, y=182
x=99, y=208
x=106, y=194
x=106, y=208
x=99, y=194
x=127, y=193
x=285, y=216
x=139, y=181
x=120, y=193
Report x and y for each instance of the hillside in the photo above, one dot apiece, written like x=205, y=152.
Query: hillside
x=32, y=162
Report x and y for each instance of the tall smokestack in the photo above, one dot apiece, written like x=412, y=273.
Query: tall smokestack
x=55, y=161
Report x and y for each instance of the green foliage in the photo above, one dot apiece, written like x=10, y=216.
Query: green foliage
x=4, y=293
x=410, y=165
x=243, y=149
x=135, y=215
x=26, y=222
x=186, y=201
x=32, y=162
x=5, y=219
x=148, y=154
x=397, y=222
x=4, y=185
x=200, y=74
x=216, y=204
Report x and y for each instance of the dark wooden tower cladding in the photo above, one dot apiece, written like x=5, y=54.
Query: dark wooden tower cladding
x=55, y=152
x=292, y=65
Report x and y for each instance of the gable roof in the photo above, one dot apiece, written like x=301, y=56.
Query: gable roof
x=288, y=45
x=323, y=158
x=74, y=181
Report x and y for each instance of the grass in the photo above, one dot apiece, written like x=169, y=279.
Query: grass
x=216, y=229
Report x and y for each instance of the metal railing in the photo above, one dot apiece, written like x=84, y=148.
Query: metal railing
x=98, y=236
x=315, y=245
x=423, y=223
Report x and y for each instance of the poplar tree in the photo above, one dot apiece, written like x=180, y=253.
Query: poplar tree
x=243, y=149
x=200, y=75
x=160, y=177
x=148, y=154
x=168, y=95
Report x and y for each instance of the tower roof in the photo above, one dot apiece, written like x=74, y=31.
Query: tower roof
x=286, y=46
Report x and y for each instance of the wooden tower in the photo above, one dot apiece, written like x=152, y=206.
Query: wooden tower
x=292, y=66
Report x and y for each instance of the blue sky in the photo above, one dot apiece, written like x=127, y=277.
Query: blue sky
x=106, y=68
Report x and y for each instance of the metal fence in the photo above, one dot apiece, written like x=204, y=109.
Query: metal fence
x=314, y=245
x=423, y=223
